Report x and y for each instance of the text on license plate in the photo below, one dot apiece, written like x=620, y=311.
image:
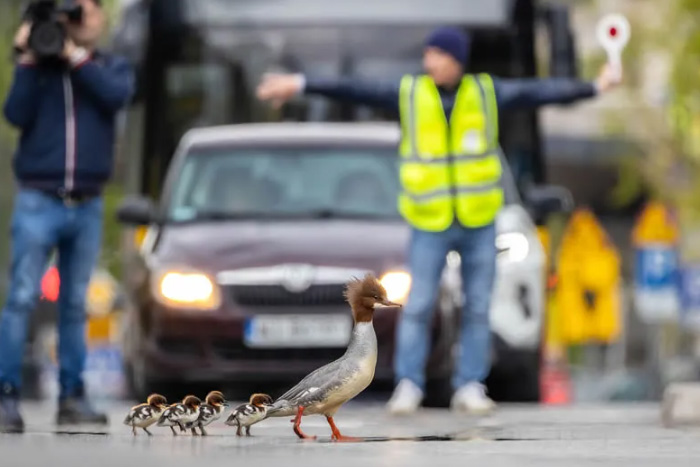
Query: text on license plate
x=298, y=331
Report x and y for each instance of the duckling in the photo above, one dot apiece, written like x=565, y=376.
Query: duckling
x=181, y=413
x=326, y=389
x=211, y=410
x=249, y=414
x=144, y=415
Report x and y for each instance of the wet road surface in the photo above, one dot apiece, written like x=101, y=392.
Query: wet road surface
x=614, y=435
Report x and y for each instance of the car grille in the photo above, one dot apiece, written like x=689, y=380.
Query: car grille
x=276, y=295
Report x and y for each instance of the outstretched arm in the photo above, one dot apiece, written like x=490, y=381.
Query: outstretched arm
x=373, y=94
x=279, y=88
x=530, y=93
x=533, y=92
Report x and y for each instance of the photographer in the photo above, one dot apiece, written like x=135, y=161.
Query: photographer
x=65, y=110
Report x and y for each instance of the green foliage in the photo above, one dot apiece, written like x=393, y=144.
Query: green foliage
x=114, y=193
x=592, y=63
x=630, y=183
x=9, y=13
x=670, y=134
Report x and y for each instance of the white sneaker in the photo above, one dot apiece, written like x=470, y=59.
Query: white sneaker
x=406, y=399
x=472, y=398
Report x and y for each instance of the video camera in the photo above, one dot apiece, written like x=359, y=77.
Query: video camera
x=48, y=32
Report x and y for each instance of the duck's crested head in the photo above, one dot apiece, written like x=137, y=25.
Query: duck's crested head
x=216, y=398
x=192, y=401
x=260, y=400
x=157, y=400
x=365, y=295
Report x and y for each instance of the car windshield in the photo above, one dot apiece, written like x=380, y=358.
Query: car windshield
x=219, y=183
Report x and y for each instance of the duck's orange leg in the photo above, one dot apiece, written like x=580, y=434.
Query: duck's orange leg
x=336, y=436
x=297, y=422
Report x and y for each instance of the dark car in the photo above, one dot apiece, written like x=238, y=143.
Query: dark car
x=241, y=273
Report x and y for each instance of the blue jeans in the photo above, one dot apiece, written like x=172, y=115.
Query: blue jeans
x=41, y=223
x=427, y=254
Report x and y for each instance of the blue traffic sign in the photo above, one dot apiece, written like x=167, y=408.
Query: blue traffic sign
x=656, y=283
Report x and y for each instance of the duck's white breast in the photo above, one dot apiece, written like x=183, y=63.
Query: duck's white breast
x=350, y=387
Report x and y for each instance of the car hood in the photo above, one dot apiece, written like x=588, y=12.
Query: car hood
x=219, y=246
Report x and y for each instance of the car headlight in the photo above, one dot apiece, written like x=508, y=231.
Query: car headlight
x=186, y=290
x=512, y=246
x=397, y=285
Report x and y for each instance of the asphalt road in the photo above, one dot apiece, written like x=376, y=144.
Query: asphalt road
x=620, y=435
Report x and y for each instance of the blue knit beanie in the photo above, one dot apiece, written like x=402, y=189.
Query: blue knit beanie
x=450, y=40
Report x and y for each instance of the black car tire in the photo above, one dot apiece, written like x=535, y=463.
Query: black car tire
x=438, y=392
x=515, y=377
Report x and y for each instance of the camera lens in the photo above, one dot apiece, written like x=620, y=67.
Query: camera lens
x=47, y=39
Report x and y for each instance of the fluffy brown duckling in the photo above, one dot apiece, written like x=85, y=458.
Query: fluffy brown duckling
x=211, y=410
x=246, y=415
x=181, y=413
x=144, y=415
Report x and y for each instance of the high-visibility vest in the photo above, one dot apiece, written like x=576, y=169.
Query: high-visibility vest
x=453, y=169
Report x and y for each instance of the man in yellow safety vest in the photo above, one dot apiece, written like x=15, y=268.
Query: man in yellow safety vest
x=450, y=174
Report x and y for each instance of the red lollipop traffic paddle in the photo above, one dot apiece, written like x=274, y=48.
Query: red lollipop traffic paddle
x=614, y=34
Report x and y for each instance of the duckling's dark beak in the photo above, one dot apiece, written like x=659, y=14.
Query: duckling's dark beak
x=226, y=404
x=385, y=304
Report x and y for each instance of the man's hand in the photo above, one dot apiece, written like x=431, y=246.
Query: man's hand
x=74, y=54
x=69, y=48
x=608, y=78
x=279, y=88
x=22, y=36
x=21, y=44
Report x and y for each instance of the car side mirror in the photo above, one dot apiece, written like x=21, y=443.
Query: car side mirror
x=543, y=200
x=136, y=211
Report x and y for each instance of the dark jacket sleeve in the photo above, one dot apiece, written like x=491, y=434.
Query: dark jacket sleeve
x=22, y=102
x=533, y=92
x=111, y=85
x=373, y=94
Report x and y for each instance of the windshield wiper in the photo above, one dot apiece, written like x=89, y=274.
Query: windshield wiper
x=314, y=214
x=226, y=216
x=333, y=214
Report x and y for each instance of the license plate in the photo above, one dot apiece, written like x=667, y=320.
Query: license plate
x=298, y=331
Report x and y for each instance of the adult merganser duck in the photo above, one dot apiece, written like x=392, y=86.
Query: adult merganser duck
x=211, y=410
x=249, y=414
x=144, y=415
x=329, y=387
x=181, y=413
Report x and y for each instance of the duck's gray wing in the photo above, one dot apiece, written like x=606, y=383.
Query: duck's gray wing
x=312, y=382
